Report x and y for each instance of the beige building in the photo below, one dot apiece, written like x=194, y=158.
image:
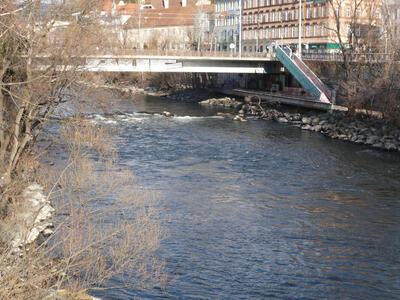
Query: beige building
x=276, y=22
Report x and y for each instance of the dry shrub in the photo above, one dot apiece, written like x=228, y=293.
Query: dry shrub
x=106, y=224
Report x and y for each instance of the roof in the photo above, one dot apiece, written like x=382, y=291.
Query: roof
x=121, y=8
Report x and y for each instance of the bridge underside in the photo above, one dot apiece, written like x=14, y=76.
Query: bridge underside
x=186, y=65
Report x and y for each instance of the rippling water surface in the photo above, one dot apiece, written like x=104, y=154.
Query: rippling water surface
x=261, y=210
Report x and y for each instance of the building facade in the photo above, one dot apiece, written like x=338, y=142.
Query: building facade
x=169, y=25
x=325, y=23
x=227, y=24
x=392, y=23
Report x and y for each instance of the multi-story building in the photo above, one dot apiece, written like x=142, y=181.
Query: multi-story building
x=227, y=25
x=325, y=23
x=392, y=22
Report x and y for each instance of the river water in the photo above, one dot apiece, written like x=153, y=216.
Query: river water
x=262, y=210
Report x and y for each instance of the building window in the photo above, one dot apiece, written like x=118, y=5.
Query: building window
x=266, y=33
x=286, y=32
x=323, y=11
x=308, y=30
x=293, y=14
x=279, y=33
x=273, y=2
x=256, y=18
x=358, y=12
x=268, y=2
x=378, y=13
x=348, y=12
x=244, y=49
x=280, y=16
x=348, y=29
x=316, y=12
x=308, y=13
x=293, y=31
x=322, y=30
x=315, y=30
x=273, y=33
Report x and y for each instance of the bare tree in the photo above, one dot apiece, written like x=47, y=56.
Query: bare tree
x=358, y=28
x=42, y=49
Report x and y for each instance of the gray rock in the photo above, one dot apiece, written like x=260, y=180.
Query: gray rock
x=390, y=146
x=306, y=127
x=377, y=145
x=323, y=122
x=342, y=137
x=317, y=128
x=315, y=121
x=296, y=117
x=282, y=120
x=371, y=139
x=306, y=120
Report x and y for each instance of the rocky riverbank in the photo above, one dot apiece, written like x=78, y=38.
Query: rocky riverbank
x=32, y=218
x=358, y=129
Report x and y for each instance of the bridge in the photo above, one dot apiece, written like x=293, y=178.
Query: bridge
x=319, y=95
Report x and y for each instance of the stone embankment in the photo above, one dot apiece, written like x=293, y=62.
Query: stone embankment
x=337, y=125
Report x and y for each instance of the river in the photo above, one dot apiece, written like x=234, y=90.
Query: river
x=262, y=210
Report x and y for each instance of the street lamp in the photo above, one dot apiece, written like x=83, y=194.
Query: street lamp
x=299, y=46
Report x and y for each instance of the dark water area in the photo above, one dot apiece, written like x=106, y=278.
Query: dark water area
x=262, y=210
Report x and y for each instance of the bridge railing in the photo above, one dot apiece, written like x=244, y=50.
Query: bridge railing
x=325, y=56
x=191, y=53
x=356, y=57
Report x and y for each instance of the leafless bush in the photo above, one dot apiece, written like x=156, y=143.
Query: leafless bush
x=106, y=224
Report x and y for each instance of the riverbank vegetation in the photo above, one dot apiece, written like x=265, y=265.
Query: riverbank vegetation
x=368, y=76
x=104, y=223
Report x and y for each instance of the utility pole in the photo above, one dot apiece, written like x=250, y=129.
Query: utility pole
x=300, y=31
x=240, y=27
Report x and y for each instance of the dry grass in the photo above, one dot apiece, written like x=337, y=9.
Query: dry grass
x=106, y=224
